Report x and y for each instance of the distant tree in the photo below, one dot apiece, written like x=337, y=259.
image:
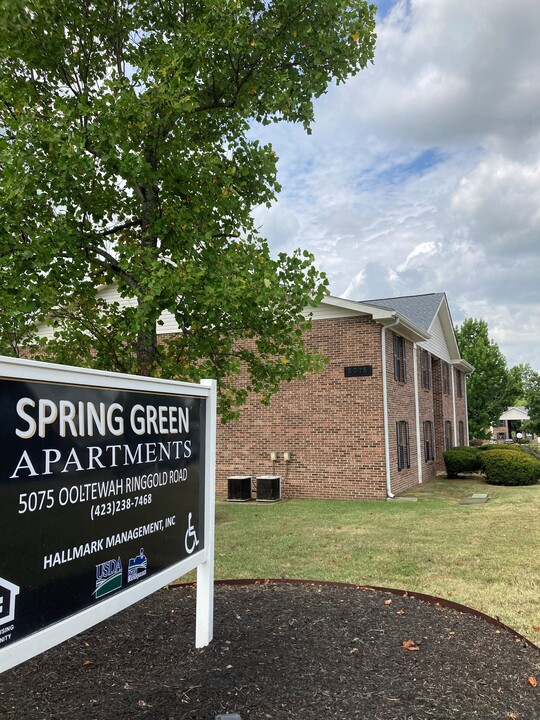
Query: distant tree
x=518, y=374
x=531, y=397
x=491, y=388
x=128, y=157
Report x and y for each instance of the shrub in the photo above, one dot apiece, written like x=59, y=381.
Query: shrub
x=461, y=459
x=534, y=451
x=510, y=468
x=506, y=448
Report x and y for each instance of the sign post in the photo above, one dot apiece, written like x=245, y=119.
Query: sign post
x=205, y=572
x=107, y=489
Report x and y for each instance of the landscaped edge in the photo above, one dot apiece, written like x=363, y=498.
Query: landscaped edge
x=423, y=597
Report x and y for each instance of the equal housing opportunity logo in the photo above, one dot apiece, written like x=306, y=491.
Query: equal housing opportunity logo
x=108, y=577
x=8, y=595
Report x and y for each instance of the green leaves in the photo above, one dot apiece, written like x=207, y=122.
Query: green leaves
x=491, y=388
x=529, y=384
x=126, y=159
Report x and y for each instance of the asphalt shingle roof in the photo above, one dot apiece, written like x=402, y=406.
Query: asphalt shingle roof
x=419, y=309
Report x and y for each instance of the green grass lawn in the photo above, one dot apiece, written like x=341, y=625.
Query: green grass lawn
x=485, y=556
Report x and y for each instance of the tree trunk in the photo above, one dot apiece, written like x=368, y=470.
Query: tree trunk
x=147, y=350
x=147, y=353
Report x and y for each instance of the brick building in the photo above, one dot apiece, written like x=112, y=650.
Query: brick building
x=510, y=423
x=352, y=430
x=375, y=421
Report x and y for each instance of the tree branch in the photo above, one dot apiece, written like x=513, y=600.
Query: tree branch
x=119, y=228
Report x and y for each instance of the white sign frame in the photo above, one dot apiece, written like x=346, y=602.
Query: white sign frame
x=202, y=560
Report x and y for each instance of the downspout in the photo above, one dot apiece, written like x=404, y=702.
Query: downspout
x=417, y=412
x=454, y=405
x=465, y=379
x=389, y=492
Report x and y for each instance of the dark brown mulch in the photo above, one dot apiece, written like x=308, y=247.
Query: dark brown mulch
x=281, y=651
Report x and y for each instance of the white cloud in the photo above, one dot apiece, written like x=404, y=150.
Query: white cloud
x=423, y=172
x=418, y=256
x=500, y=202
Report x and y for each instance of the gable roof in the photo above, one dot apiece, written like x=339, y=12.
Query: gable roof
x=515, y=412
x=332, y=307
x=430, y=312
x=423, y=319
x=420, y=309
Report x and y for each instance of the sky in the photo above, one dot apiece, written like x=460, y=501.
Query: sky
x=422, y=173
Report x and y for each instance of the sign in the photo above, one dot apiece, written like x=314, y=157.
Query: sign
x=359, y=371
x=106, y=495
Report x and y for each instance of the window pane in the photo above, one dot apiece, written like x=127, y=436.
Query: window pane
x=400, y=372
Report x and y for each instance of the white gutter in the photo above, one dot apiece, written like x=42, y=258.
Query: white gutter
x=417, y=412
x=465, y=378
x=454, y=405
x=385, y=408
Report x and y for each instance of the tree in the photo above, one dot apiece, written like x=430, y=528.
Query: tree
x=533, y=405
x=530, y=392
x=491, y=388
x=128, y=158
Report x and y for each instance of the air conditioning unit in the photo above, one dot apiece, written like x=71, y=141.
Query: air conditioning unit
x=268, y=488
x=239, y=488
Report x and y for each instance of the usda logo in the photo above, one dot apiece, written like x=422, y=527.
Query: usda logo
x=108, y=577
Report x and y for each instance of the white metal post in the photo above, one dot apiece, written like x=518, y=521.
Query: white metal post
x=205, y=572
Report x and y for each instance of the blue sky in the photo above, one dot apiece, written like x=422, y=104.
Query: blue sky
x=422, y=173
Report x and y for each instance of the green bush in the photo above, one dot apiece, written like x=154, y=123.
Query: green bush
x=511, y=447
x=534, y=451
x=461, y=459
x=510, y=468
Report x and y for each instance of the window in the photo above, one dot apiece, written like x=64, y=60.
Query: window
x=448, y=435
x=400, y=371
x=459, y=383
x=425, y=369
x=445, y=378
x=461, y=432
x=403, y=445
x=502, y=423
x=429, y=449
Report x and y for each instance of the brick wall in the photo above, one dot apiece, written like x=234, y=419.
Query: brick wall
x=444, y=412
x=331, y=424
x=401, y=407
x=461, y=409
x=427, y=413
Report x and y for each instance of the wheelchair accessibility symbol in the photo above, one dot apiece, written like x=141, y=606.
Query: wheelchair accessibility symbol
x=191, y=540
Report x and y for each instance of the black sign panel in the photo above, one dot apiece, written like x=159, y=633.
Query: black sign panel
x=99, y=490
x=359, y=371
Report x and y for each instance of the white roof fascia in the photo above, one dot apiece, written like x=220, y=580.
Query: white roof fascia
x=350, y=305
x=385, y=316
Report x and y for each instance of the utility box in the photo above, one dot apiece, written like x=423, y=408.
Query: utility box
x=239, y=488
x=268, y=488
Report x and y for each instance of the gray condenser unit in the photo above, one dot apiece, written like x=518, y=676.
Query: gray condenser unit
x=268, y=488
x=239, y=488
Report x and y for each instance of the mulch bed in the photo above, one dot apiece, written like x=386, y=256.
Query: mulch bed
x=283, y=651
